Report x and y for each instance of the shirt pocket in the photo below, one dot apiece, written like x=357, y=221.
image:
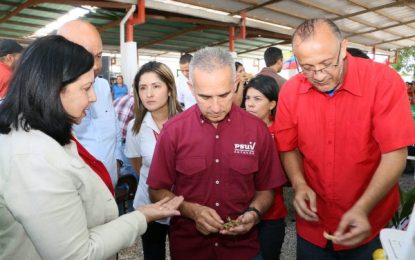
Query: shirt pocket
x=241, y=184
x=190, y=183
x=191, y=167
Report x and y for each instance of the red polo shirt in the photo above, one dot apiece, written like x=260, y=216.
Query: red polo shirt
x=342, y=138
x=278, y=209
x=5, y=75
x=217, y=167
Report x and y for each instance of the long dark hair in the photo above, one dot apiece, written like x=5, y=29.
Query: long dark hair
x=267, y=86
x=165, y=75
x=45, y=68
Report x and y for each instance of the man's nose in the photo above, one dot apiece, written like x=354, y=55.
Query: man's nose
x=215, y=105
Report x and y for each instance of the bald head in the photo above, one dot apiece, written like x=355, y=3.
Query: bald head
x=310, y=27
x=86, y=35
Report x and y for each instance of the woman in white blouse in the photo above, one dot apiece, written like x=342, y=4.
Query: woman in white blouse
x=155, y=103
x=56, y=200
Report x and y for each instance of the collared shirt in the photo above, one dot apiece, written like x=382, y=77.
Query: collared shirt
x=278, y=209
x=266, y=71
x=342, y=138
x=184, y=94
x=5, y=75
x=220, y=168
x=119, y=91
x=142, y=145
x=124, y=108
x=99, y=131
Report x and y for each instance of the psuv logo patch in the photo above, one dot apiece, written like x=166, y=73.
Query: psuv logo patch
x=248, y=148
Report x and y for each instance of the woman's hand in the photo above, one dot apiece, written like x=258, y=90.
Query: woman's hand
x=164, y=208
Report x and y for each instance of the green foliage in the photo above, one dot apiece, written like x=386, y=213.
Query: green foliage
x=405, y=209
x=406, y=60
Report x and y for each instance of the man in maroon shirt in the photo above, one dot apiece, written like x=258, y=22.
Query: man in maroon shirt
x=9, y=54
x=221, y=159
x=342, y=125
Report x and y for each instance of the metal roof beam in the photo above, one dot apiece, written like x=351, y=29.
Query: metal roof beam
x=382, y=28
x=30, y=3
x=396, y=39
x=182, y=32
x=151, y=4
x=260, y=47
x=392, y=4
x=20, y=8
x=254, y=6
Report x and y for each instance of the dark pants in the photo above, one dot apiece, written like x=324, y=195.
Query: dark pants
x=271, y=236
x=154, y=241
x=308, y=251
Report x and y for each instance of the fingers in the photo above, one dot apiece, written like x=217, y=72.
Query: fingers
x=353, y=228
x=174, y=203
x=246, y=222
x=303, y=198
x=208, y=221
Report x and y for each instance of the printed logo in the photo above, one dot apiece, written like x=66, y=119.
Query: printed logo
x=245, y=148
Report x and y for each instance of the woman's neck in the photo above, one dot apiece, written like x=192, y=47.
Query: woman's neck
x=268, y=122
x=160, y=116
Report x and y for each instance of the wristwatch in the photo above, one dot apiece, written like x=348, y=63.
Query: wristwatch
x=258, y=213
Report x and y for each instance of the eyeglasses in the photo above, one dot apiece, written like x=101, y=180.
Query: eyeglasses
x=308, y=72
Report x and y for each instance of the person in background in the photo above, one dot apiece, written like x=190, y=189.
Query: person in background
x=155, y=91
x=124, y=108
x=99, y=130
x=184, y=93
x=56, y=200
x=242, y=77
x=261, y=97
x=226, y=176
x=9, y=55
x=273, y=60
x=344, y=166
x=119, y=89
x=357, y=53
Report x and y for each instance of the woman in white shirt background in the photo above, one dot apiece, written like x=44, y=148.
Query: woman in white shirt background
x=56, y=200
x=155, y=102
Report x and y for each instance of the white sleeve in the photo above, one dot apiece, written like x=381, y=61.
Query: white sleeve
x=46, y=201
x=132, y=142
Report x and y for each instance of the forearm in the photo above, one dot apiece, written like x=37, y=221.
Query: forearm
x=186, y=208
x=136, y=163
x=293, y=165
x=262, y=200
x=386, y=176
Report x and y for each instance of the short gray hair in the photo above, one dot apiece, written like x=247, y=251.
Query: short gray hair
x=210, y=59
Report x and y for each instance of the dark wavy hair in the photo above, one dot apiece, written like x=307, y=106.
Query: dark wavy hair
x=267, y=86
x=45, y=68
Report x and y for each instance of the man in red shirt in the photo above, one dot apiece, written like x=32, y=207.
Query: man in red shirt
x=343, y=125
x=9, y=54
x=221, y=159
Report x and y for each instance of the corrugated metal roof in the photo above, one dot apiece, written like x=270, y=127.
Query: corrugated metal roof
x=386, y=24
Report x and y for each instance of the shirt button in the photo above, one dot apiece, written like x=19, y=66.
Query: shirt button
x=217, y=136
x=201, y=121
x=217, y=161
x=216, y=244
x=217, y=182
x=217, y=204
x=229, y=119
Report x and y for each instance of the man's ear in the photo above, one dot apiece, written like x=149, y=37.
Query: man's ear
x=192, y=89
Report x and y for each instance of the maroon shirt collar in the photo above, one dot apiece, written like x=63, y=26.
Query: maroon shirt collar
x=228, y=118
